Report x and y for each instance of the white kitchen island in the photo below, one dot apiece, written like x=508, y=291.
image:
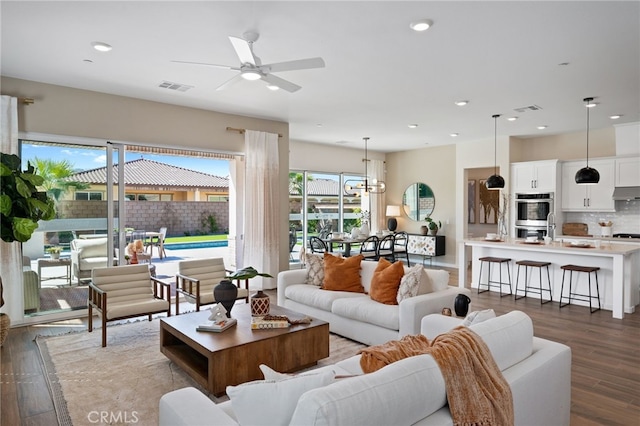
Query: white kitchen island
x=618, y=277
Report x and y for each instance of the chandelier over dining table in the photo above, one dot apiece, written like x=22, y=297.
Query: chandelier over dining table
x=365, y=186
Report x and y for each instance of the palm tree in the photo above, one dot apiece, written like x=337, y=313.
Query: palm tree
x=55, y=174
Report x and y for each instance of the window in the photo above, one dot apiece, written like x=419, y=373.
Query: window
x=87, y=195
x=223, y=198
x=149, y=197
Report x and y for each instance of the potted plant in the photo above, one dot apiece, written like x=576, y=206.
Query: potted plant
x=226, y=292
x=433, y=225
x=54, y=251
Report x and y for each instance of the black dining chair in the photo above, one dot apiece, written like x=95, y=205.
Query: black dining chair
x=369, y=248
x=386, y=248
x=400, y=245
x=317, y=245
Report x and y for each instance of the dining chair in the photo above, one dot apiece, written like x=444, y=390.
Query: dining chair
x=400, y=245
x=369, y=248
x=317, y=245
x=386, y=248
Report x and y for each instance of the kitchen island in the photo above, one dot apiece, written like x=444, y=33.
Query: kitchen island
x=619, y=275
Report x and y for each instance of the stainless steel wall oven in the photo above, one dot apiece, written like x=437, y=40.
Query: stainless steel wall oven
x=532, y=211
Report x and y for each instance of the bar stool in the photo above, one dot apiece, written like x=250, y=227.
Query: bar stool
x=580, y=296
x=500, y=261
x=537, y=290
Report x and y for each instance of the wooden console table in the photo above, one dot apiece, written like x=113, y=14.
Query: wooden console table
x=426, y=246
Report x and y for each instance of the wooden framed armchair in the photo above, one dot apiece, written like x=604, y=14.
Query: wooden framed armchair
x=196, y=279
x=125, y=292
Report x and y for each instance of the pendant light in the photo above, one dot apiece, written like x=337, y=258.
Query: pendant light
x=363, y=187
x=587, y=175
x=495, y=181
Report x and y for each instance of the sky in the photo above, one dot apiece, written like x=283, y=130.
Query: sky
x=87, y=159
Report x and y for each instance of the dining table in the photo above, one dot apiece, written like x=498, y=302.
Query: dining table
x=345, y=242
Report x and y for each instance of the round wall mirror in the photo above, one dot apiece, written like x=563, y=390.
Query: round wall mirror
x=418, y=201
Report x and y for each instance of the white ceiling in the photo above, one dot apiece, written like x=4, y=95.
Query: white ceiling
x=380, y=75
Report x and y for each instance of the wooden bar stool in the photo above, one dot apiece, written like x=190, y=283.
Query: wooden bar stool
x=580, y=296
x=500, y=261
x=537, y=290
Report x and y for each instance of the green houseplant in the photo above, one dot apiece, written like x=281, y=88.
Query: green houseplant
x=433, y=225
x=54, y=251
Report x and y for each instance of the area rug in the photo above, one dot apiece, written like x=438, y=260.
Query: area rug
x=123, y=383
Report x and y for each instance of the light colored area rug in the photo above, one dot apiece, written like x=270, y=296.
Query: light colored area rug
x=123, y=383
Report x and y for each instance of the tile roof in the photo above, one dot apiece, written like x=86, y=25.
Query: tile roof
x=143, y=172
x=327, y=187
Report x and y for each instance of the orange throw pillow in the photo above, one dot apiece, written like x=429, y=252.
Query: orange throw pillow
x=342, y=273
x=386, y=281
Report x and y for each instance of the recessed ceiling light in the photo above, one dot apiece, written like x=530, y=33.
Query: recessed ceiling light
x=319, y=125
x=615, y=117
x=413, y=126
x=421, y=25
x=461, y=103
x=273, y=87
x=101, y=47
x=512, y=118
x=541, y=127
x=453, y=135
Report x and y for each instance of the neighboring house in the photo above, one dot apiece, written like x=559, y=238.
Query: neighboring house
x=148, y=180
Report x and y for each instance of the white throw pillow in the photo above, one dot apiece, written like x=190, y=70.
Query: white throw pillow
x=410, y=283
x=271, y=374
x=477, y=317
x=269, y=402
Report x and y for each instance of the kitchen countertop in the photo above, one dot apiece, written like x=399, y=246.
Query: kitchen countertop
x=558, y=245
x=597, y=237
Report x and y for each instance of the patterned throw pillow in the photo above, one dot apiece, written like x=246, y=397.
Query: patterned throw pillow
x=410, y=283
x=315, y=269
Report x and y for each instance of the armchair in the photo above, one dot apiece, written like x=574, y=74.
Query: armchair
x=196, y=279
x=86, y=255
x=125, y=292
x=31, y=286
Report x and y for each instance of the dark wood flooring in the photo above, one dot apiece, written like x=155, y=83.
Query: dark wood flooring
x=605, y=370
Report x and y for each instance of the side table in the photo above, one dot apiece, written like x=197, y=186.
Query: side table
x=49, y=263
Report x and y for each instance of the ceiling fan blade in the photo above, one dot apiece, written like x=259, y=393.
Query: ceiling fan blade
x=243, y=50
x=300, y=64
x=226, y=67
x=281, y=83
x=230, y=82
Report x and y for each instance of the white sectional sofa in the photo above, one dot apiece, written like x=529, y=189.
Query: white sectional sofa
x=408, y=392
x=356, y=315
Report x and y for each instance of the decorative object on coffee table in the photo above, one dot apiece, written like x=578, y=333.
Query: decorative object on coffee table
x=241, y=274
x=226, y=293
x=259, y=304
x=461, y=305
x=446, y=312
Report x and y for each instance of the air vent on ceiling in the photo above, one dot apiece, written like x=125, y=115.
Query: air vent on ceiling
x=528, y=108
x=174, y=86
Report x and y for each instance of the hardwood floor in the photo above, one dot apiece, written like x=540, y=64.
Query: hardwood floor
x=605, y=362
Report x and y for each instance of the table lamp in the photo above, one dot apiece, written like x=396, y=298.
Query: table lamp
x=392, y=213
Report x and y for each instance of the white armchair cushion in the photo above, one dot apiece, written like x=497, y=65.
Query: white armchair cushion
x=93, y=247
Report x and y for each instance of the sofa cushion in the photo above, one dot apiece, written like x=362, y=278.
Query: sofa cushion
x=385, y=282
x=311, y=295
x=272, y=402
x=364, y=309
x=476, y=317
x=92, y=247
x=402, y=393
x=410, y=283
x=433, y=280
x=342, y=274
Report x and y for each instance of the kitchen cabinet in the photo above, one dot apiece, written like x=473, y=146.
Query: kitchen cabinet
x=628, y=171
x=538, y=176
x=581, y=198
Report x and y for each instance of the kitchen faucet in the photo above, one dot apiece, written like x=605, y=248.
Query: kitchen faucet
x=551, y=225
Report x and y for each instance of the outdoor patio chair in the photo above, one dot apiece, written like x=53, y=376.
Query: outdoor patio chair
x=123, y=292
x=196, y=279
x=158, y=242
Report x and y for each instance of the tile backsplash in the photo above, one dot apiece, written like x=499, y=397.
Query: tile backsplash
x=626, y=218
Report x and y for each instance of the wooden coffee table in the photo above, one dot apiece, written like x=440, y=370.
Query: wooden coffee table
x=217, y=360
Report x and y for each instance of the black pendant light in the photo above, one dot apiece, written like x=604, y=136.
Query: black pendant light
x=495, y=181
x=587, y=175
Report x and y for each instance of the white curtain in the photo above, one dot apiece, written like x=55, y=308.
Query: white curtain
x=10, y=253
x=261, y=212
x=378, y=220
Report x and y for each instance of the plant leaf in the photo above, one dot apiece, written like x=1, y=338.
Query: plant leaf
x=247, y=273
x=5, y=205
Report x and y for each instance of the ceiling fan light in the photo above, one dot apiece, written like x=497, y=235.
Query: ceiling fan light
x=421, y=25
x=495, y=182
x=273, y=87
x=251, y=75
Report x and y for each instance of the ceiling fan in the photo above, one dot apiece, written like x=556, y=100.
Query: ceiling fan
x=251, y=67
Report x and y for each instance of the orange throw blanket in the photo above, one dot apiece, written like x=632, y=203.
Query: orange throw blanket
x=477, y=392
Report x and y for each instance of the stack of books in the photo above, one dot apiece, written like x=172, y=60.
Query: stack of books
x=217, y=327
x=269, y=321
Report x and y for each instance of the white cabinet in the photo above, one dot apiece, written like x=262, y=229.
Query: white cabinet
x=579, y=198
x=538, y=176
x=628, y=171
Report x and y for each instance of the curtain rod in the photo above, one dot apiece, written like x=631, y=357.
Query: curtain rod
x=241, y=131
x=26, y=101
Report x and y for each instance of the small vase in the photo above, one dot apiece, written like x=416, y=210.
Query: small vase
x=226, y=293
x=55, y=255
x=433, y=231
x=364, y=230
x=461, y=305
x=259, y=304
x=424, y=229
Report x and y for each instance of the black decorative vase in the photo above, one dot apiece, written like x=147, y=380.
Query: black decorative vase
x=461, y=305
x=226, y=293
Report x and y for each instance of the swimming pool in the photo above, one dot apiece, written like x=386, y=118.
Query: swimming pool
x=195, y=245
